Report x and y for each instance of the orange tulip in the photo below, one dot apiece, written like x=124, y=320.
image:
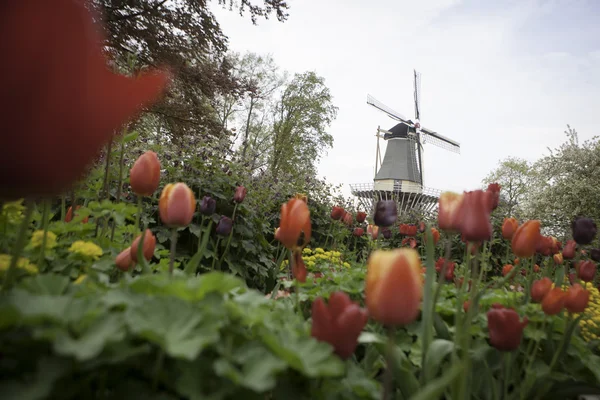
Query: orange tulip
x=517, y=261
x=124, y=261
x=147, y=248
x=553, y=301
x=144, y=176
x=295, y=219
x=449, y=211
x=69, y=215
x=536, y=268
x=506, y=269
x=60, y=102
x=177, y=205
x=540, y=289
x=577, y=299
x=393, y=286
x=299, y=271
x=525, y=239
x=509, y=227
x=435, y=234
x=373, y=231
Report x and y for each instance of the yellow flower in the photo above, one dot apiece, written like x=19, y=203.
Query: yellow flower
x=346, y=264
x=306, y=250
x=13, y=211
x=38, y=237
x=22, y=263
x=80, y=279
x=86, y=249
x=319, y=250
x=590, y=322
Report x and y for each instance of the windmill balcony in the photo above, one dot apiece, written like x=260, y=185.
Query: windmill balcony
x=410, y=196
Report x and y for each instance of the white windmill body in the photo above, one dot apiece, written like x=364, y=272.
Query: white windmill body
x=399, y=175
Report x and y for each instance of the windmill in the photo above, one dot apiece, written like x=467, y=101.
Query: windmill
x=399, y=175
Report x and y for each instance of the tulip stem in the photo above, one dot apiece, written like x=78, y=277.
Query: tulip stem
x=139, y=213
x=329, y=234
x=428, y=304
x=45, y=221
x=388, y=374
x=216, y=253
x=173, y=250
x=507, y=359
x=63, y=207
x=229, y=238
x=20, y=243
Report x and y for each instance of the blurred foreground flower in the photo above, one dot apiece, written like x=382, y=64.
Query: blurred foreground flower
x=86, y=249
x=60, y=102
x=386, y=213
x=505, y=328
x=339, y=323
x=38, y=237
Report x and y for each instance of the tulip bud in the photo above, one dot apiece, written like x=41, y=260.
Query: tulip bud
x=347, y=219
x=506, y=269
x=361, y=216
x=494, y=195
x=373, y=231
x=558, y=258
x=339, y=323
x=393, y=286
x=509, y=227
x=525, y=239
x=422, y=227
x=536, y=268
x=224, y=226
x=505, y=328
x=412, y=242
x=450, y=211
x=466, y=306
x=240, y=194
x=577, y=299
x=540, y=289
x=358, y=232
x=595, y=254
x=553, y=301
x=177, y=205
x=69, y=215
x=386, y=232
x=584, y=230
x=208, y=205
x=144, y=176
x=386, y=213
x=568, y=251
x=517, y=261
x=337, y=213
x=124, y=261
x=450, y=272
x=586, y=270
x=295, y=220
x=147, y=248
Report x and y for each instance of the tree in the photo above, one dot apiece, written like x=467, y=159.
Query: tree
x=302, y=116
x=184, y=35
x=513, y=175
x=565, y=184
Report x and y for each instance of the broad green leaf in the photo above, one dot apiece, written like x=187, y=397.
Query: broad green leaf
x=438, y=350
x=435, y=388
x=50, y=284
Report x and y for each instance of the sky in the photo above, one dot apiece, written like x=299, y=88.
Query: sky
x=503, y=78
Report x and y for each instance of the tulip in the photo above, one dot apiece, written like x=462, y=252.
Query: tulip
x=450, y=272
x=361, y=216
x=572, y=278
x=525, y=239
x=558, y=258
x=422, y=227
x=144, y=176
x=358, y=232
x=540, y=288
x=509, y=227
x=505, y=328
x=386, y=232
x=373, y=231
x=295, y=220
x=176, y=205
x=301, y=196
x=586, y=270
x=347, y=219
x=584, y=230
x=225, y=225
x=595, y=254
x=475, y=223
x=439, y=264
x=386, y=213
x=147, y=248
x=506, y=269
x=69, y=215
x=208, y=205
x=299, y=271
x=494, y=195
x=536, y=268
x=339, y=323
x=517, y=261
x=337, y=213
x=466, y=306
x=577, y=299
x=449, y=211
x=553, y=301
x=240, y=194
x=568, y=251
x=393, y=286
x=545, y=245
x=435, y=234
x=59, y=109
x=409, y=241
x=124, y=261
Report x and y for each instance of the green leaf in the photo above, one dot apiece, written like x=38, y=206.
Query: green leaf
x=50, y=284
x=438, y=350
x=130, y=137
x=48, y=371
x=434, y=389
x=179, y=328
x=441, y=328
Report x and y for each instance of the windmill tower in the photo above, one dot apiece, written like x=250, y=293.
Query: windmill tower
x=399, y=175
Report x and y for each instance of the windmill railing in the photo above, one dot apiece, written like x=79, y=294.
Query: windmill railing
x=397, y=187
x=424, y=200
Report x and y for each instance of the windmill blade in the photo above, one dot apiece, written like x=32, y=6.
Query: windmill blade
x=441, y=141
x=372, y=101
x=417, y=85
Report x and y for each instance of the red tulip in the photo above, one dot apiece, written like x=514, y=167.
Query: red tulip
x=505, y=328
x=435, y=234
x=475, y=223
x=339, y=323
x=421, y=227
x=410, y=241
x=450, y=272
x=60, y=102
x=358, y=232
x=299, y=271
x=536, y=268
x=144, y=176
x=553, y=301
x=525, y=239
x=540, y=288
x=449, y=211
x=295, y=220
x=577, y=299
x=361, y=216
x=494, y=195
x=347, y=219
x=69, y=215
x=569, y=248
x=337, y=213
x=586, y=270
x=506, y=269
x=509, y=227
x=240, y=194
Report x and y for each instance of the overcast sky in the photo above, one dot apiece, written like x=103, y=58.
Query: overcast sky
x=502, y=77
